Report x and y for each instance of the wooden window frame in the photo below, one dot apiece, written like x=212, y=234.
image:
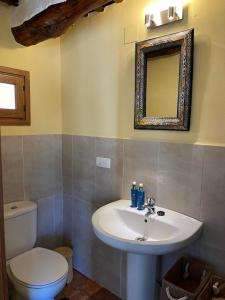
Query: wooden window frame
x=21, y=79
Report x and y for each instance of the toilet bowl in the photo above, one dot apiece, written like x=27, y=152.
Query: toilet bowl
x=38, y=274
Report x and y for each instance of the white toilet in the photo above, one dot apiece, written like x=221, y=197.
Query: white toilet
x=35, y=273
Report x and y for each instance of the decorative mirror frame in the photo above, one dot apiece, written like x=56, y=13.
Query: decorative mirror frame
x=184, y=40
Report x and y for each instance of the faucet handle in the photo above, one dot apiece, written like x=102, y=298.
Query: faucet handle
x=150, y=201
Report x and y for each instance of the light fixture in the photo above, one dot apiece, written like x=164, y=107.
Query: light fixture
x=149, y=20
x=160, y=15
x=171, y=12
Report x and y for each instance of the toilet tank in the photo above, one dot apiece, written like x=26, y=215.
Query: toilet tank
x=20, y=220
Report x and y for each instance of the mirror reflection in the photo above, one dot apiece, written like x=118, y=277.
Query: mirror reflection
x=162, y=84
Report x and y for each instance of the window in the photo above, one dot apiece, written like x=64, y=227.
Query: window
x=14, y=97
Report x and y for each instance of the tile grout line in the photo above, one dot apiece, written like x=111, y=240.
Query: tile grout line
x=72, y=183
x=121, y=273
x=62, y=190
x=72, y=158
x=61, y=157
x=202, y=177
x=123, y=173
x=121, y=254
x=95, y=173
x=157, y=169
x=23, y=168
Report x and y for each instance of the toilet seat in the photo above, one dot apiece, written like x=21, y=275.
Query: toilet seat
x=36, y=287
x=38, y=268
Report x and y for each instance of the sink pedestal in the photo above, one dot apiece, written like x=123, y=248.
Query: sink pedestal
x=141, y=276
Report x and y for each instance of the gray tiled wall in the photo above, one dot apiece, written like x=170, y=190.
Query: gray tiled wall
x=59, y=173
x=86, y=188
x=32, y=170
x=186, y=178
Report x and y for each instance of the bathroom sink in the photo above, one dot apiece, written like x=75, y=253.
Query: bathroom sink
x=144, y=238
x=127, y=229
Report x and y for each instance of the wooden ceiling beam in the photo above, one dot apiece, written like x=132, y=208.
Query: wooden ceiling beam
x=55, y=20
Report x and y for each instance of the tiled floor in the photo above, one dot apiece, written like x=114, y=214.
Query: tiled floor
x=82, y=288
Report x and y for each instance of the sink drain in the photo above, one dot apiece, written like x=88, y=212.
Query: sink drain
x=140, y=239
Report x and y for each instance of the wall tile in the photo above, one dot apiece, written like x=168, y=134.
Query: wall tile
x=108, y=182
x=140, y=162
x=67, y=219
x=93, y=187
x=82, y=236
x=82, y=226
x=212, y=255
x=95, y=260
x=12, y=168
x=106, y=260
x=67, y=163
x=179, y=178
x=82, y=259
x=83, y=167
x=58, y=219
x=45, y=229
x=49, y=233
x=213, y=197
x=42, y=166
x=91, y=257
x=123, y=276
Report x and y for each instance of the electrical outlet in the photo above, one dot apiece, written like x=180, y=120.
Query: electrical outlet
x=103, y=162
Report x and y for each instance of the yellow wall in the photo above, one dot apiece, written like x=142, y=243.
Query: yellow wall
x=98, y=67
x=43, y=62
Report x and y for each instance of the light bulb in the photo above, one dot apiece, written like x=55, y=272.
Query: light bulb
x=171, y=11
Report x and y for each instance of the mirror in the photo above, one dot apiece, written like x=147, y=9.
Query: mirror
x=163, y=82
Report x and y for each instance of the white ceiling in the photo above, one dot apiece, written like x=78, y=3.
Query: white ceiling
x=29, y=8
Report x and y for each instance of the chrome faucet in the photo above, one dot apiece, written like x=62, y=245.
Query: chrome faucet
x=150, y=205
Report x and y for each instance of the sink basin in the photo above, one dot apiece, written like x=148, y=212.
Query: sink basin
x=126, y=228
x=144, y=239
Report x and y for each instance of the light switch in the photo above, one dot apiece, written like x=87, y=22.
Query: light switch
x=103, y=162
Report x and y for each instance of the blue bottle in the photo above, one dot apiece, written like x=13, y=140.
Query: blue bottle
x=134, y=190
x=140, y=197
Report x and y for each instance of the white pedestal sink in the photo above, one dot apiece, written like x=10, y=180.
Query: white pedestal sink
x=143, y=238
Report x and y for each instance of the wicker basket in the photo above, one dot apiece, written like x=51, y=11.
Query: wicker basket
x=185, y=280
x=68, y=254
x=207, y=292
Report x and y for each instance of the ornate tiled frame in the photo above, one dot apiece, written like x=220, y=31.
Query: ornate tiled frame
x=185, y=41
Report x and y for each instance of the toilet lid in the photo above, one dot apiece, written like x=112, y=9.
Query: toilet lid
x=39, y=266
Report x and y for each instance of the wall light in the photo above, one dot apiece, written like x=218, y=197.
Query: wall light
x=158, y=16
x=171, y=12
x=149, y=20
